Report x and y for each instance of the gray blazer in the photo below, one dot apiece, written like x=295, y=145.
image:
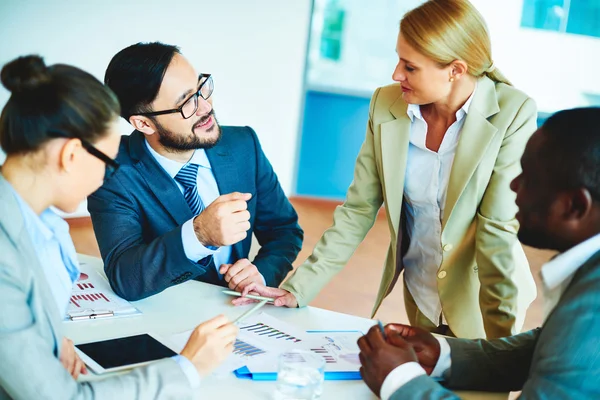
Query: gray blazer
x=560, y=360
x=31, y=331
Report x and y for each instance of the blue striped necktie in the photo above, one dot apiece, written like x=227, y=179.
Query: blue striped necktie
x=187, y=177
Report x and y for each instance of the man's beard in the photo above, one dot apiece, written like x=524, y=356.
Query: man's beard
x=178, y=143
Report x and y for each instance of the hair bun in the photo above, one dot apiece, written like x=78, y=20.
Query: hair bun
x=24, y=74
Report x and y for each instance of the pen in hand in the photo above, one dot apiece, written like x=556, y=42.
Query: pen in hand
x=382, y=330
x=250, y=312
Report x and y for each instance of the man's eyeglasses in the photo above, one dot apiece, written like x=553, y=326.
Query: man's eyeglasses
x=111, y=165
x=190, y=106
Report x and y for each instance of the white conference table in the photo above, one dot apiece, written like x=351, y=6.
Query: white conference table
x=184, y=306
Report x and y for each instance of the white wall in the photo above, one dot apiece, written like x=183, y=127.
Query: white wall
x=556, y=69
x=255, y=50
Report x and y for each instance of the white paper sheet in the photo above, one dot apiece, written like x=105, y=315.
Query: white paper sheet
x=263, y=337
x=92, y=294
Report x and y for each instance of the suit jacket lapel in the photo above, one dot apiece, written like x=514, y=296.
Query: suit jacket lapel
x=475, y=136
x=395, y=137
x=158, y=180
x=15, y=226
x=225, y=170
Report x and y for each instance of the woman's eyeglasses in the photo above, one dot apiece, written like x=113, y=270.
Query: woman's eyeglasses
x=111, y=165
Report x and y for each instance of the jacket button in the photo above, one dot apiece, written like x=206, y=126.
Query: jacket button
x=442, y=274
x=448, y=247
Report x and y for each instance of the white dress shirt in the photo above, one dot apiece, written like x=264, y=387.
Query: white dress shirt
x=208, y=191
x=425, y=188
x=558, y=272
x=50, y=237
x=556, y=276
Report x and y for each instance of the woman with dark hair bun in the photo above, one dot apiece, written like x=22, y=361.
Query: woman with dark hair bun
x=59, y=130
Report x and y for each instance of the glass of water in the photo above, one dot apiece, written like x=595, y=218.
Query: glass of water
x=300, y=376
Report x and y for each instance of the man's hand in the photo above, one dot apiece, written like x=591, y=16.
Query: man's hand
x=240, y=274
x=426, y=346
x=282, y=297
x=210, y=343
x=225, y=221
x=379, y=358
x=70, y=360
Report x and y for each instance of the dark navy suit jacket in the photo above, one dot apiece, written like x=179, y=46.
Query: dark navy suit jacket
x=138, y=215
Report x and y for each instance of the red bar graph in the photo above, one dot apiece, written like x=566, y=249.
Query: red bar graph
x=83, y=286
x=89, y=297
x=74, y=302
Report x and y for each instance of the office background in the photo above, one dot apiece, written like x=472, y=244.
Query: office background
x=301, y=72
x=256, y=51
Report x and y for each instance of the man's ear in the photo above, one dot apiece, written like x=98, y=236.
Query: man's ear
x=571, y=210
x=143, y=124
x=580, y=205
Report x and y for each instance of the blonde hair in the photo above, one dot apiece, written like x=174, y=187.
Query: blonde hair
x=449, y=30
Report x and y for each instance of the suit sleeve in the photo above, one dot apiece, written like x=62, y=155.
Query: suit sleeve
x=497, y=365
x=423, y=387
x=30, y=368
x=276, y=223
x=136, y=269
x=567, y=357
x=351, y=222
x=497, y=227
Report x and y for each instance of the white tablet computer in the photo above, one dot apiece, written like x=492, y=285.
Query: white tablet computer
x=122, y=353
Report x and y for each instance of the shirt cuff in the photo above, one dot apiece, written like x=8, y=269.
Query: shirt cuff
x=400, y=376
x=442, y=367
x=194, y=250
x=189, y=370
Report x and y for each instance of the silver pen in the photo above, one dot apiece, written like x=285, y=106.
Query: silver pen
x=249, y=312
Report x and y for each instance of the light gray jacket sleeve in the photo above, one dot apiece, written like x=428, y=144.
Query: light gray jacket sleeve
x=29, y=368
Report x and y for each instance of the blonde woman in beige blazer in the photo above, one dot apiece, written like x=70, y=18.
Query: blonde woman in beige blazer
x=441, y=149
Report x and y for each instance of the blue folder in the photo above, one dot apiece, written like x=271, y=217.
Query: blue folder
x=244, y=373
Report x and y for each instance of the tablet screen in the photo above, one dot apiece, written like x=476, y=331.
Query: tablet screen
x=126, y=351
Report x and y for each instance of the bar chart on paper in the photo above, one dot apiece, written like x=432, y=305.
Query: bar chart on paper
x=262, y=338
x=244, y=349
x=91, y=294
x=80, y=300
x=261, y=329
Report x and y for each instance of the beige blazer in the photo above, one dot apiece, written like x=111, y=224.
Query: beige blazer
x=484, y=281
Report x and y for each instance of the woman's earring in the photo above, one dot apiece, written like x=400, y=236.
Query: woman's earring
x=451, y=79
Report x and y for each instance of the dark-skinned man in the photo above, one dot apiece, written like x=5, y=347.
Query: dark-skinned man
x=558, y=196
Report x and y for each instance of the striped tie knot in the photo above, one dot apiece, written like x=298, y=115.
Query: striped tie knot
x=187, y=177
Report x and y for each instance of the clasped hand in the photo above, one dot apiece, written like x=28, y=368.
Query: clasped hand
x=379, y=356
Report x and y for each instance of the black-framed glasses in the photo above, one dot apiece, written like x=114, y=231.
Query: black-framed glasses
x=190, y=105
x=111, y=164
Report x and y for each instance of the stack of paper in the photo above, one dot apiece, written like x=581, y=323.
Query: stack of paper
x=263, y=337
